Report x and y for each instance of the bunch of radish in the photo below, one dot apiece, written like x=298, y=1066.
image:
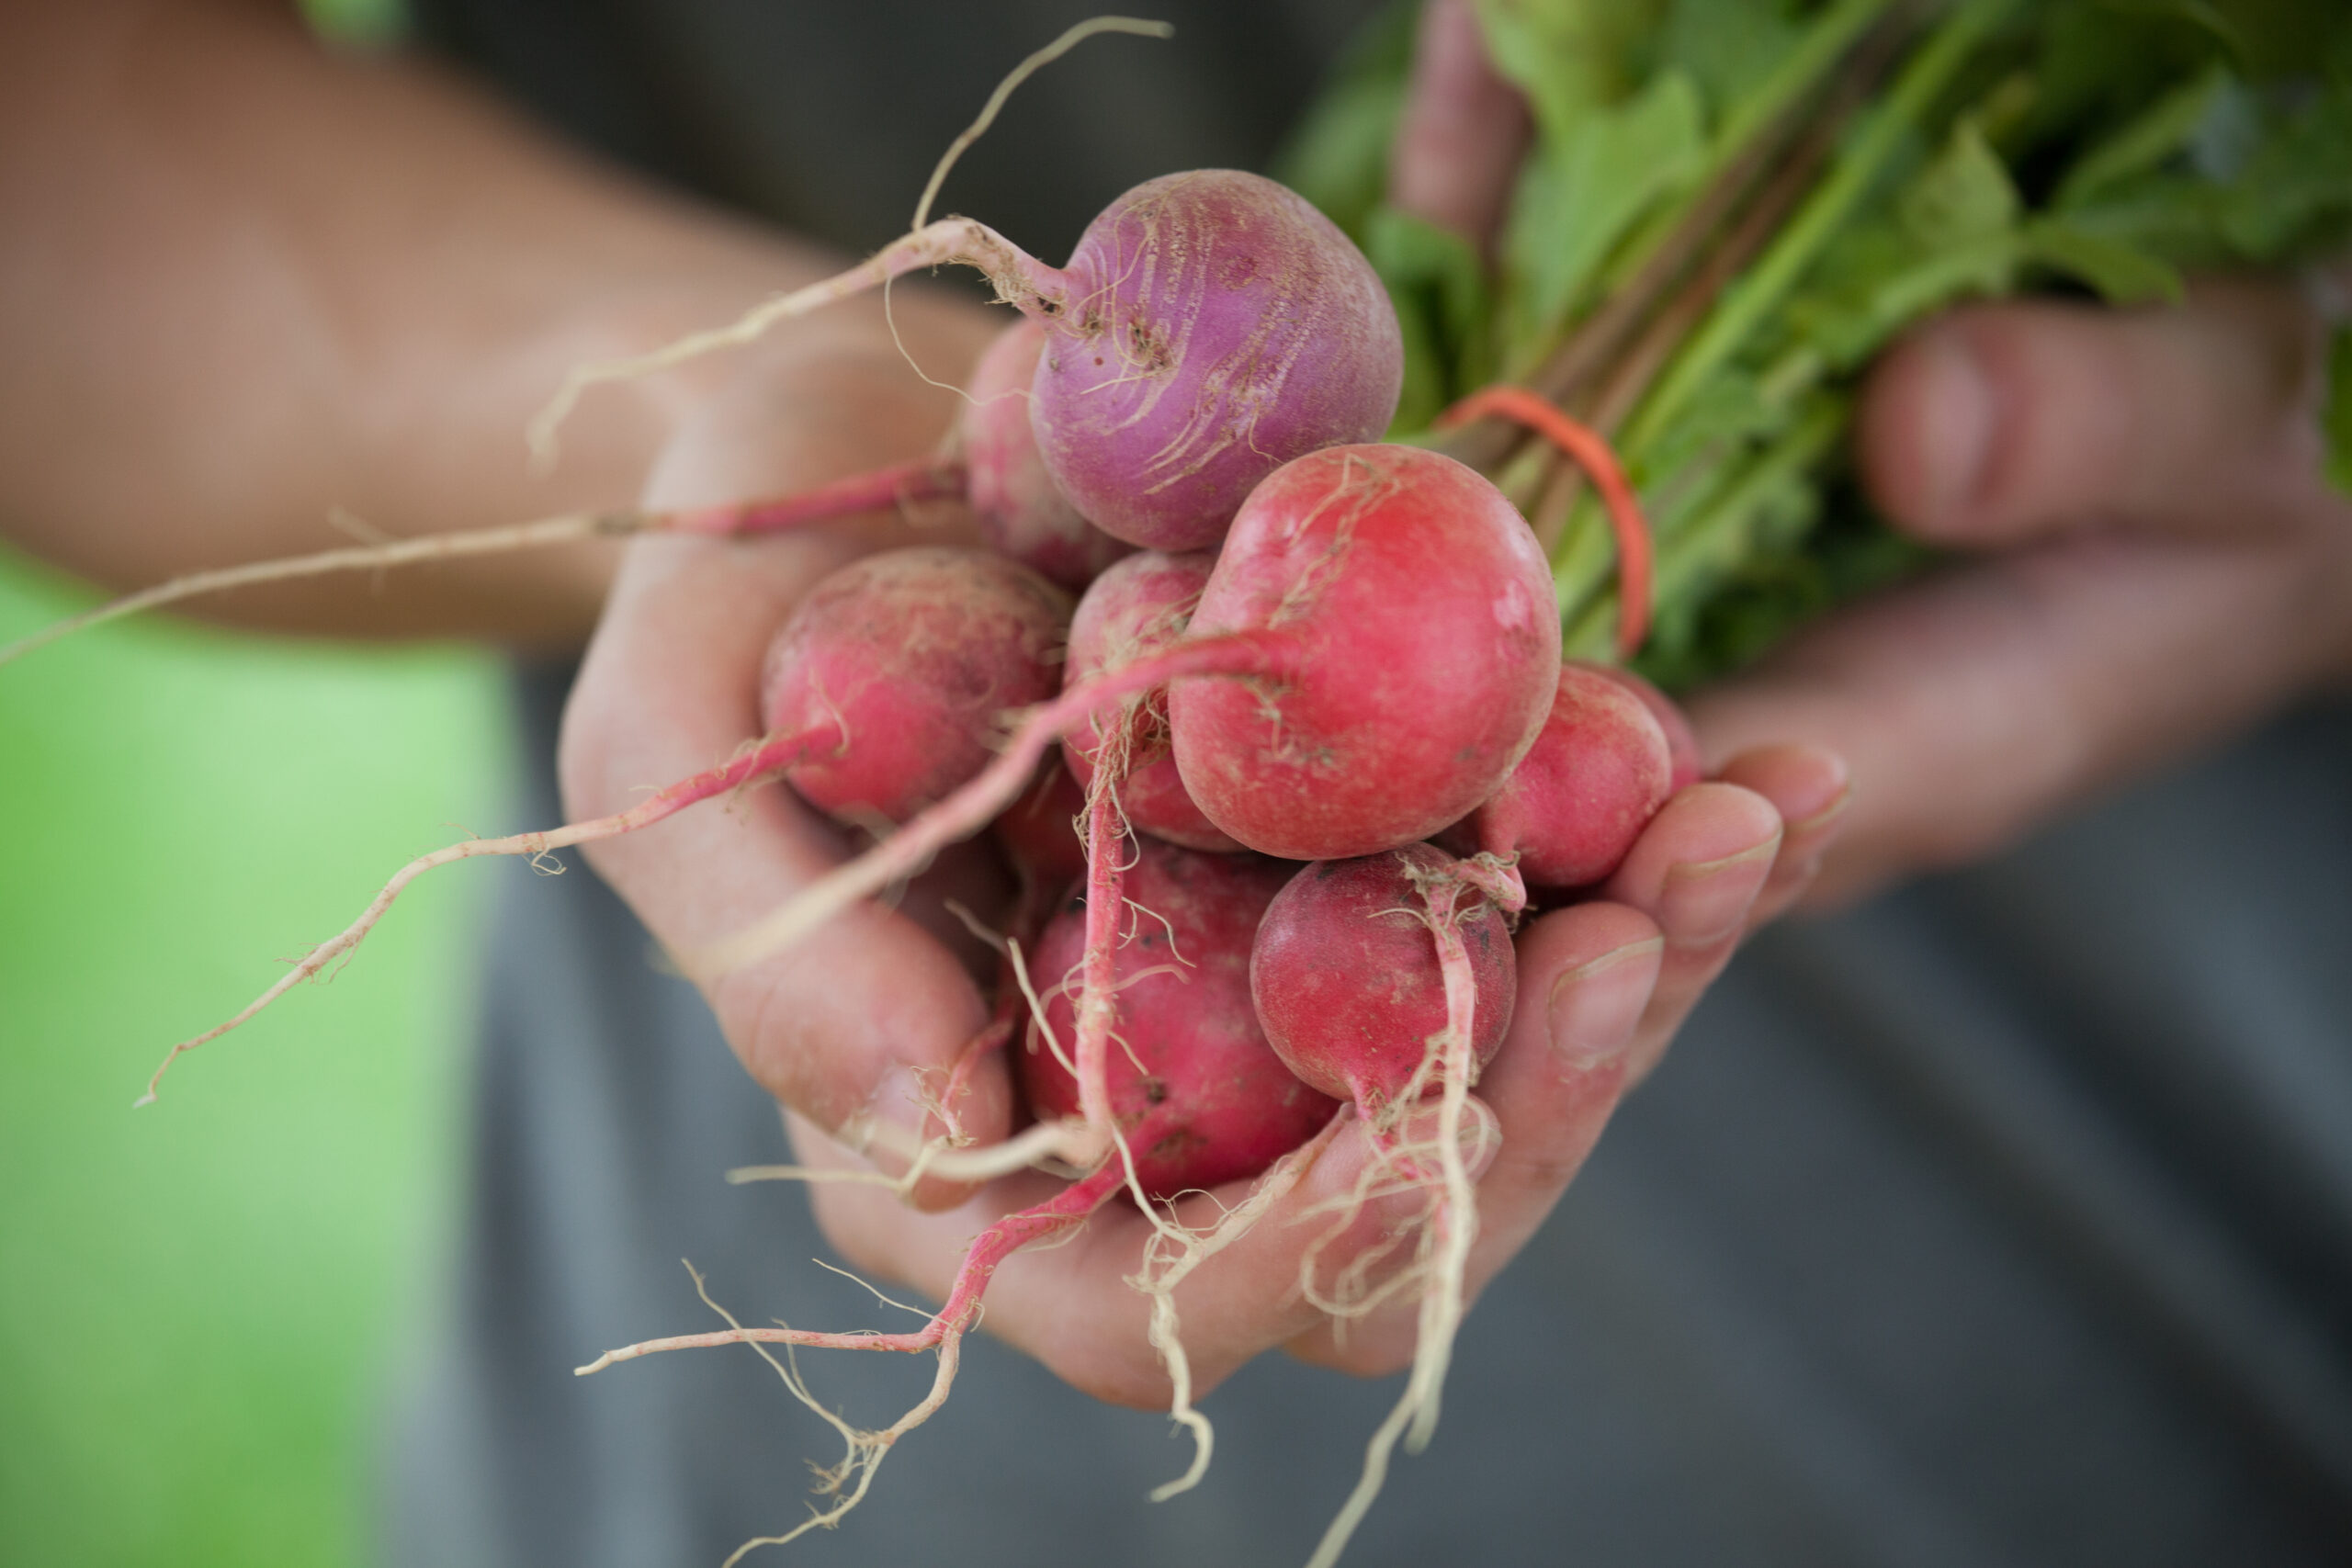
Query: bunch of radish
x=1279, y=783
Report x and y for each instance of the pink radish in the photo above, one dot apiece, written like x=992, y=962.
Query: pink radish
x=1598, y=770
x=1020, y=508
x=1197, y=1093
x=908, y=659
x=1392, y=979
x=1423, y=616
x=1210, y=327
x=1681, y=742
x=1138, y=606
x=1349, y=984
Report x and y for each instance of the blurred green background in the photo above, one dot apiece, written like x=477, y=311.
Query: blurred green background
x=203, y=1303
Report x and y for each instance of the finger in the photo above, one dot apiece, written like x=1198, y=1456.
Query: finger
x=1810, y=787
x=863, y=1019
x=1585, y=977
x=1696, y=871
x=1972, y=705
x=2014, y=422
x=1462, y=132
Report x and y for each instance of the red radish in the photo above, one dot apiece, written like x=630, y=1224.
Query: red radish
x=1197, y=1093
x=1020, y=508
x=1690, y=763
x=1597, y=773
x=1348, y=985
x=1210, y=327
x=1410, y=928
x=910, y=660
x=1135, y=608
x=1424, y=617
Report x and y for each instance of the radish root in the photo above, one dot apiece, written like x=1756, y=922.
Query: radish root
x=900, y=486
x=1441, y=1258
x=755, y=762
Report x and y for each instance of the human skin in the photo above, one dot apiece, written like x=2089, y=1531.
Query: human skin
x=247, y=281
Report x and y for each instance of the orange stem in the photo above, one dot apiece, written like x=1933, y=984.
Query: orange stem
x=1591, y=452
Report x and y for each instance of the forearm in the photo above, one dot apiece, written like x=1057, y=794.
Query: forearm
x=248, y=282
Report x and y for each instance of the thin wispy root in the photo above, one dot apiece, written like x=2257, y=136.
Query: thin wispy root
x=950, y=241
x=1068, y=1142
x=1172, y=1254
x=898, y=486
x=1063, y=1210
x=1443, y=1252
x=751, y=765
x=847, y=1481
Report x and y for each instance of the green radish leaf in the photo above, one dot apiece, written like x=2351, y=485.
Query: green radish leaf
x=1581, y=192
x=1728, y=48
x=2164, y=131
x=1963, y=197
x=2297, y=179
x=1438, y=284
x=2123, y=274
x=1570, y=57
x=2335, y=418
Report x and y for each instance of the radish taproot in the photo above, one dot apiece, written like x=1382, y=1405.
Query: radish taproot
x=1392, y=978
x=883, y=691
x=989, y=460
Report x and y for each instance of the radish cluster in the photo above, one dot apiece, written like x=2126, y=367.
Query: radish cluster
x=1352, y=650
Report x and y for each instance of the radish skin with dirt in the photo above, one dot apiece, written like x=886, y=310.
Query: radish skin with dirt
x=1598, y=770
x=1421, y=614
x=901, y=666
x=1196, y=1090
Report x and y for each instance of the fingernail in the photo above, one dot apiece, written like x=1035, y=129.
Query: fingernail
x=1956, y=435
x=893, y=1122
x=1821, y=820
x=1704, y=901
x=1593, y=1008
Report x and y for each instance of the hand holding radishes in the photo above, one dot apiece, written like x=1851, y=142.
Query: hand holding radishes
x=2158, y=564
x=807, y=1039
x=1591, y=1007
x=848, y=1026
